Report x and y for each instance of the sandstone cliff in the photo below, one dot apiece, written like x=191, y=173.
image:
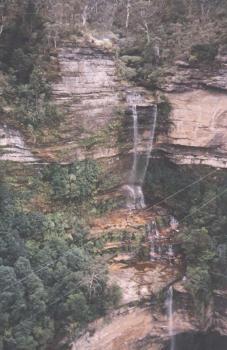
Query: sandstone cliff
x=199, y=101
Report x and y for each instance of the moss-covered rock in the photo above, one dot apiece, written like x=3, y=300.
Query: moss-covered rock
x=132, y=60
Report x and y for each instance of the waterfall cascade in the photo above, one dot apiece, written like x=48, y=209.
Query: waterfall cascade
x=153, y=235
x=161, y=248
x=150, y=144
x=135, y=196
x=169, y=306
x=174, y=223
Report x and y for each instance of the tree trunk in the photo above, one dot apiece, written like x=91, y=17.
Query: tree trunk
x=84, y=16
x=128, y=14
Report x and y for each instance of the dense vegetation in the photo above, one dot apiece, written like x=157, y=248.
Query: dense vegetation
x=24, y=62
x=76, y=182
x=152, y=35
x=201, y=210
x=51, y=281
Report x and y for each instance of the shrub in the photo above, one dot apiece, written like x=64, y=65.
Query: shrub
x=77, y=182
x=31, y=101
x=204, y=53
x=164, y=111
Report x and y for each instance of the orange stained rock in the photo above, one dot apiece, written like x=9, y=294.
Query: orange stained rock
x=119, y=220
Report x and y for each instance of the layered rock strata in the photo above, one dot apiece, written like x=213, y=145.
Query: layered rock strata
x=13, y=147
x=198, y=97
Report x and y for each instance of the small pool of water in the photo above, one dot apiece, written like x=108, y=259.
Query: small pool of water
x=198, y=341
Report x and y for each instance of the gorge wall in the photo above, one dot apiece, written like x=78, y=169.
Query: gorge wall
x=113, y=154
x=97, y=114
x=94, y=98
x=199, y=115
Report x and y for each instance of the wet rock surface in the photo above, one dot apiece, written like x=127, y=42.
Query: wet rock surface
x=132, y=329
x=147, y=328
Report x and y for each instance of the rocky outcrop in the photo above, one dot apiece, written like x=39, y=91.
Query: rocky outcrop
x=199, y=132
x=141, y=281
x=96, y=115
x=199, y=114
x=13, y=147
x=136, y=328
x=131, y=329
x=89, y=93
x=140, y=251
x=97, y=121
x=200, y=120
x=184, y=76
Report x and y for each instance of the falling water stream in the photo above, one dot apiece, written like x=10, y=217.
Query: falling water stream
x=150, y=144
x=135, y=196
x=133, y=174
x=138, y=172
x=169, y=305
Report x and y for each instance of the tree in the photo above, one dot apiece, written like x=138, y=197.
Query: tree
x=77, y=182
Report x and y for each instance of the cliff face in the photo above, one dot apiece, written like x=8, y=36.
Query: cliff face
x=98, y=120
x=98, y=124
x=132, y=329
x=88, y=91
x=146, y=328
x=199, y=116
x=13, y=146
x=94, y=100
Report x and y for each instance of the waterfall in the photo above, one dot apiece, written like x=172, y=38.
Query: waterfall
x=150, y=144
x=133, y=174
x=159, y=248
x=174, y=223
x=170, y=251
x=151, y=237
x=135, y=196
x=169, y=305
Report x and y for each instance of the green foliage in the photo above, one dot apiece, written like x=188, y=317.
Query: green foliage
x=107, y=205
x=152, y=78
x=198, y=247
x=114, y=296
x=203, y=53
x=132, y=60
x=21, y=41
x=48, y=282
x=164, y=113
x=77, y=182
x=30, y=225
x=199, y=285
x=176, y=10
x=205, y=229
x=169, y=31
x=28, y=93
x=127, y=72
x=31, y=101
